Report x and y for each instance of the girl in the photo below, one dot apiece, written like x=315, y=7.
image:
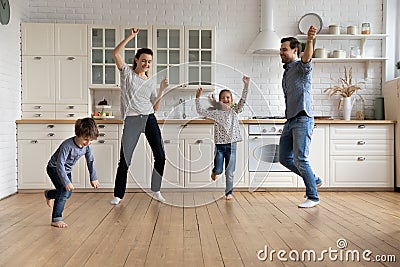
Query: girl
x=139, y=100
x=226, y=132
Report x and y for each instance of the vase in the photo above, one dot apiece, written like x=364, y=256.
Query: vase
x=347, y=107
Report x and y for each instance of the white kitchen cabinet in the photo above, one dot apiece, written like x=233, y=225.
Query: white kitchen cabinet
x=200, y=57
x=168, y=54
x=106, y=154
x=199, y=158
x=174, y=163
x=189, y=150
x=259, y=180
x=71, y=80
x=36, y=143
x=319, y=154
x=57, y=76
x=362, y=155
x=37, y=39
x=102, y=41
x=70, y=39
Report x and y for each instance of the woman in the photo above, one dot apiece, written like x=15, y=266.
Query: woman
x=139, y=100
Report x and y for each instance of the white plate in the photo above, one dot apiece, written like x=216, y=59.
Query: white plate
x=310, y=19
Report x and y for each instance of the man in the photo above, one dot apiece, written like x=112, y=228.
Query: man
x=296, y=136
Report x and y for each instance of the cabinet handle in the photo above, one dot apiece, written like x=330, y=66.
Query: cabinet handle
x=37, y=107
x=102, y=134
x=50, y=126
x=50, y=134
x=199, y=141
x=361, y=126
x=38, y=115
x=71, y=107
x=360, y=158
x=37, y=58
x=71, y=58
x=102, y=141
x=34, y=141
x=167, y=141
x=101, y=126
x=184, y=125
x=71, y=115
x=361, y=143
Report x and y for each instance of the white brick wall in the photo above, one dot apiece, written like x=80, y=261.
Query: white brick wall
x=237, y=23
x=10, y=100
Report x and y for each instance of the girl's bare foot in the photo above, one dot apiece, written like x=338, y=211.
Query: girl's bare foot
x=229, y=197
x=59, y=224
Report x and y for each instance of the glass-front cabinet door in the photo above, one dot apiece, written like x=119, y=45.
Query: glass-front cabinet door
x=168, y=54
x=200, y=57
x=103, y=72
x=142, y=40
x=103, y=40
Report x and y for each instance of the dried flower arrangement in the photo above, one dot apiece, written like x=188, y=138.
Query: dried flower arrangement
x=345, y=87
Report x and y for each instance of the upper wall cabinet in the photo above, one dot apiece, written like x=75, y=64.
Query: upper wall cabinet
x=54, y=71
x=54, y=39
x=37, y=39
x=168, y=54
x=102, y=41
x=70, y=39
x=184, y=55
x=200, y=56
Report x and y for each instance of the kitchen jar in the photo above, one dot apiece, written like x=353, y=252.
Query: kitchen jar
x=360, y=105
x=352, y=30
x=355, y=52
x=365, y=28
x=334, y=29
x=339, y=54
x=321, y=53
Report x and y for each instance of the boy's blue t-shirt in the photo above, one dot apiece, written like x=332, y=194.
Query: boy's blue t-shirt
x=65, y=157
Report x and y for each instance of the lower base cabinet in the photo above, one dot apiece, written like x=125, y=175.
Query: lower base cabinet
x=343, y=155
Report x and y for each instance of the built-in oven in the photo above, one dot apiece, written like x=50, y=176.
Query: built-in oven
x=263, y=148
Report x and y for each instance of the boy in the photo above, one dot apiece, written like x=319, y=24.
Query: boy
x=60, y=166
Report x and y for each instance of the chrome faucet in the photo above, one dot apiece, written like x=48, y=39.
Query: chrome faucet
x=182, y=101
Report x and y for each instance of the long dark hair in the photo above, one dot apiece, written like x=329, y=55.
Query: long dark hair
x=294, y=43
x=147, y=51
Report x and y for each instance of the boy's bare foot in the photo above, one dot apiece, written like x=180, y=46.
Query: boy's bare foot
x=49, y=201
x=59, y=224
x=213, y=176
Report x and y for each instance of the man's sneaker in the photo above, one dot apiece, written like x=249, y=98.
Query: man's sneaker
x=115, y=201
x=308, y=204
x=157, y=195
x=319, y=182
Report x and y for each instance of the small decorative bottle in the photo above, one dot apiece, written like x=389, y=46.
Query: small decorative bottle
x=360, y=104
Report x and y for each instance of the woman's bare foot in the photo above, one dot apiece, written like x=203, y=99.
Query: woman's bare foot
x=229, y=197
x=59, y=224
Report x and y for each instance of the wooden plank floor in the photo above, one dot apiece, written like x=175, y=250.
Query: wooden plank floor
x=201, y=229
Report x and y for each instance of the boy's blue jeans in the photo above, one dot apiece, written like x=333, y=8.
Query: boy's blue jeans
x=60, y=194
x=225, y=152
x=294, y=149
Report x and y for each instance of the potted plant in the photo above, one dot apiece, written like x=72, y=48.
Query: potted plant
x=346, y=89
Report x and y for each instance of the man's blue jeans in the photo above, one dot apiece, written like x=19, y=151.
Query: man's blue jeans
x=60, y=194
x=225, y=152
x=294, y=149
